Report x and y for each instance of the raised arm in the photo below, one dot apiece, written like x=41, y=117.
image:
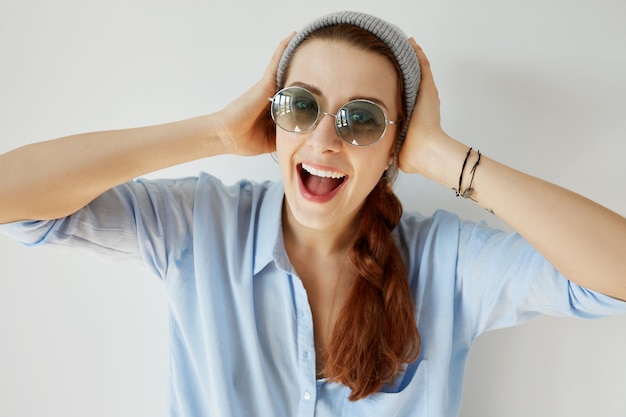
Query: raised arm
x=583, y=240
x=52, y=179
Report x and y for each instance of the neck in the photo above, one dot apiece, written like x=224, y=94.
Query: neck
x=330, y=241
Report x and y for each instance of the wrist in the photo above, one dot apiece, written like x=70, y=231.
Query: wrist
x=215, y=138
x=441, y=160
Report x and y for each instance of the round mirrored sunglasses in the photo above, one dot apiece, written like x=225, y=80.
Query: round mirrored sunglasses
x=358, y=122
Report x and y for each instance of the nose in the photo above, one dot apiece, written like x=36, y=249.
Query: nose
x=325, y=138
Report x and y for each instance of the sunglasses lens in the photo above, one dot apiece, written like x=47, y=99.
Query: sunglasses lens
x=294, y=109
x=361, y=122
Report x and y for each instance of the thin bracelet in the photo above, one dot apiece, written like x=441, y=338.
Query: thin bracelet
x=458, y=190
x=469, y=190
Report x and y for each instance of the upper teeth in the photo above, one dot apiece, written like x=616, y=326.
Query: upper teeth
x=321, y=173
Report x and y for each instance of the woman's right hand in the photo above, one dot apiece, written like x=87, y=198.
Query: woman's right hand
x=34, y=184
x=246, y=127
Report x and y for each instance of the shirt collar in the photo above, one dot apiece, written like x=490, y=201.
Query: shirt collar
x=268, y=242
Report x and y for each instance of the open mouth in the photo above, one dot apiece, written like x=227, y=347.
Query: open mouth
x=318, y=182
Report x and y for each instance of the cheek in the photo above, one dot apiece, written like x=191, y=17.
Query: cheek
x=375, y=171
x=371, y=167
x=282, y=143
x=378, y=159
x=286, y=147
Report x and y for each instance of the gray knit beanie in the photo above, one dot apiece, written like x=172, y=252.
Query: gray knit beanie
x=392, y=36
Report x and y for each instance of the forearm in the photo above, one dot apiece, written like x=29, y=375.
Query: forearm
x=55, y=178
x=583, y=240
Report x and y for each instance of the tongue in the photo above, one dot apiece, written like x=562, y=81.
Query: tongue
x=319, y=185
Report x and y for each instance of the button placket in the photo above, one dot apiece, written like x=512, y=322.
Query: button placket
x=306, y=346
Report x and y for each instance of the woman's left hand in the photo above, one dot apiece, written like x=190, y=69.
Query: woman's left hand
x=582, y=239
x=425, y=126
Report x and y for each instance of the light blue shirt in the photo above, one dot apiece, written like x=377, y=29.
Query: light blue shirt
x=241, y=329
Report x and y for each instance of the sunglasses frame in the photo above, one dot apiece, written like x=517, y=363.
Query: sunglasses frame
x=321, y=114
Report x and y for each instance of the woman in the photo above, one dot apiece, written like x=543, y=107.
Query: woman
x=316, y=295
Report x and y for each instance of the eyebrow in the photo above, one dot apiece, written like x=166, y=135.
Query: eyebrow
x=318, y=92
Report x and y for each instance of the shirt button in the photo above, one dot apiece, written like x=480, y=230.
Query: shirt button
x=307, y=395
x=306, y=355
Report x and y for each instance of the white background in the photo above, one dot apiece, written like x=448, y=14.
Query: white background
x=539, y=85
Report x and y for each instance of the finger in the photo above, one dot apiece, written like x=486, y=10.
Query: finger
x=270, y=72
x=421, y=56
x=427, y=81
x=426, y=72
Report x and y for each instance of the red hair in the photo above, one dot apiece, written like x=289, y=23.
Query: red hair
x=375, y=334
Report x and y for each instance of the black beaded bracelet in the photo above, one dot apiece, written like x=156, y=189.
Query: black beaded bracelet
x=469, y=190
x=458, y=190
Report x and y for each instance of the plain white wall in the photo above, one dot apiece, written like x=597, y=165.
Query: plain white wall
x=539, y=85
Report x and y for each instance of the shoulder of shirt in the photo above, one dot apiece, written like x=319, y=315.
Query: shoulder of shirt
x=413, y=218
x=205, y=179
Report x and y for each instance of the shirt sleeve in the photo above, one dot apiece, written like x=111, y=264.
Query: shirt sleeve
x=504, y=281
x=148, y=221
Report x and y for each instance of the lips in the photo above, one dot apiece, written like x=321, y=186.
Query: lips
x=318, y=183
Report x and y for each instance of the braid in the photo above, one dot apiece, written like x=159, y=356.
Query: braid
x=376, y=332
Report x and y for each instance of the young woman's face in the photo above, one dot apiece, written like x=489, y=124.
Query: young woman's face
x=335, y=72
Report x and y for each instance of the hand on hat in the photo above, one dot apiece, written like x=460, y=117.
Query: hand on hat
x=246, y=126
x=425, y=126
